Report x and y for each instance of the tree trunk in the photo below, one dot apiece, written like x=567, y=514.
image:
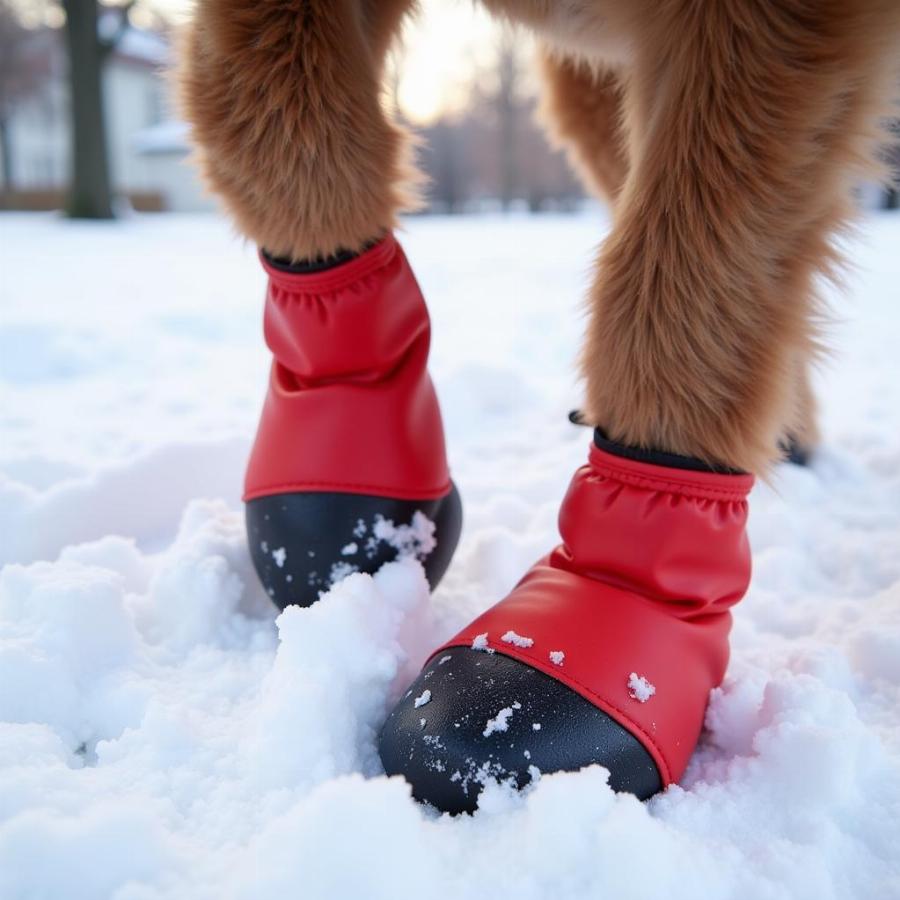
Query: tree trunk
x=507, y=70
x=6, y=152
x=90, y=195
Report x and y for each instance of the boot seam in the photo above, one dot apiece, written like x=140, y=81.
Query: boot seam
x=347, y=487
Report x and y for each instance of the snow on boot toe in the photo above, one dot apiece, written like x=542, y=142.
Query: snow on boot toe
x=474, y=716
x=606, y=649
x=303, y=543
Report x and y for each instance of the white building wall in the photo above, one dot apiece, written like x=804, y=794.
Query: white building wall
x=39, y=136
x=136, y=92
x=182, y=188
x=135, y=100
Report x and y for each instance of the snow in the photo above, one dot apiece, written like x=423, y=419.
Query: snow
x=422, y=699
x=500, y=722
x=165, y=734
x=136, y=43
x=557, y=657
x=517, y=640
x=339, y=571
x=171, y=136
x=639, y=688
x=416, y=539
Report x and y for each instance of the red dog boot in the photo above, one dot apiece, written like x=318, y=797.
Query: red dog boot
x=605, y=652
x=349, y=467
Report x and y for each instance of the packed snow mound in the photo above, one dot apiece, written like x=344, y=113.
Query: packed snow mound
x=165, y=733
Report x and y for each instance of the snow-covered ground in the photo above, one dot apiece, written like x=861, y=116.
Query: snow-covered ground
x=163, y=735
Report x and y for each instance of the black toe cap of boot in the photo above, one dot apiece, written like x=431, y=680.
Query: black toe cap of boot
x=303, y=543
x=473, y=716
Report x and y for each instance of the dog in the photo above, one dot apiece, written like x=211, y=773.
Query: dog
x=727, y=136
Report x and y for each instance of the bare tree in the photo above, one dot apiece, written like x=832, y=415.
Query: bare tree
x=91, y=193
x=507, y=105
x=491, y=151
x=19, y=79
x=444, y=160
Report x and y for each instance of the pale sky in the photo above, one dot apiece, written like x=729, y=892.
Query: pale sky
x=441, y=50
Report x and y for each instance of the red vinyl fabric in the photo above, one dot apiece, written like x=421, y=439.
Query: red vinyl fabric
x=637, y=596
x=350, y=405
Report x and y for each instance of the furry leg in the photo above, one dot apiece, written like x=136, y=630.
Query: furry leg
x=284, y=103
x=744, y=120
x=581, y=107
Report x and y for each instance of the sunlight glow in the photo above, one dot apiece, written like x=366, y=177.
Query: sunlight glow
x=441, y=51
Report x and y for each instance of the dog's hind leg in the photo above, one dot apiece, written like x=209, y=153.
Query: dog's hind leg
x=581, y=108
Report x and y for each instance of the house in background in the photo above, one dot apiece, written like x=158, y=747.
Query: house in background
x=148, y=151
x=164, y=154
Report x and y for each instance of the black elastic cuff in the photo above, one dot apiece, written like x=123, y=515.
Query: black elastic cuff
x=319, y=264
x=659, y=457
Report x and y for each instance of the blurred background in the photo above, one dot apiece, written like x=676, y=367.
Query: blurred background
x=87, y=122
x=95, y=76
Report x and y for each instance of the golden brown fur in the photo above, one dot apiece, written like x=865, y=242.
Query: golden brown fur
x=284, y=103
x=582, y=110
x=727, y=133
